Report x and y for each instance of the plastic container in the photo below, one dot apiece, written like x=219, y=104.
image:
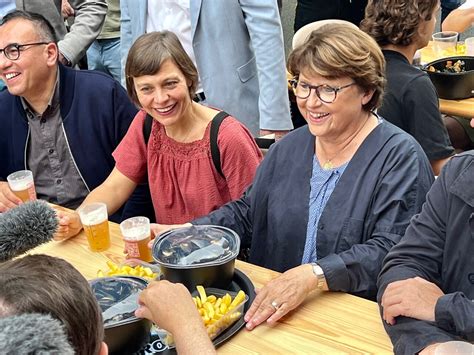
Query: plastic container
x=220, y=326
x=197, y=255
x=453, y=86
x=118, y=300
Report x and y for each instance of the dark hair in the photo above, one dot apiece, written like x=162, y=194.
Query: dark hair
x=48, y=285
x=396, y=21
x=339, y=50
x=149, y=52
x=44, y=29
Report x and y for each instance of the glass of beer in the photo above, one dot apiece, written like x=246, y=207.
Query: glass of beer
x=136, y=235
x=94, y=219
x=22, y=185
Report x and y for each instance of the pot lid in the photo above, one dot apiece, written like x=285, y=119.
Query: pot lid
x=117, y=298
x=196, y=245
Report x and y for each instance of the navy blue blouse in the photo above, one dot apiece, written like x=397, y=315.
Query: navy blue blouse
x=383, y=186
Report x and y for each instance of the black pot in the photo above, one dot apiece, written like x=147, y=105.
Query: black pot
x=172, y=248
x=453, y=86
x=130, y=334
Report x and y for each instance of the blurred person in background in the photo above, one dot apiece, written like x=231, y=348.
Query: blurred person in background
x=460, y=19
x=88, y=19
x=331, y=198
x=237, y=47
x=401, y=27
x=308, y=11
x=104, y=52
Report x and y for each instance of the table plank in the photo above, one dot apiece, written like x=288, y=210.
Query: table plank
x=327, y=323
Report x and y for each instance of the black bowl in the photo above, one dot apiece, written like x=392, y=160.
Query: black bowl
x=210, y=271
x=453, y=86
x=130, y=334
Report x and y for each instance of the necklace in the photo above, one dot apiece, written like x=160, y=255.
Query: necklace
x=328, y=165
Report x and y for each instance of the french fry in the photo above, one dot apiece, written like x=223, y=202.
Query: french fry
x=127, y=270
x=218, y=313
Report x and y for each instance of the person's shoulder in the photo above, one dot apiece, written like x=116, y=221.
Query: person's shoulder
x=95, y=76
x=395, y=136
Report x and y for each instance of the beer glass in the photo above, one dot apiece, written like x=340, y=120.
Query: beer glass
x=94, y=219
x=22, y=185
x=136, y=235
x=444, y=43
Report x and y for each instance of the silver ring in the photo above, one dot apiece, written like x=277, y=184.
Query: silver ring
x=275, y=305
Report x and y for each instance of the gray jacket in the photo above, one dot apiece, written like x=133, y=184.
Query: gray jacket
x=439, y=247
x=231, y=39
x=89, y=17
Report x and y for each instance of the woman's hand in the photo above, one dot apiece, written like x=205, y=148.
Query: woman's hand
x=69, y=224
x=281, y=295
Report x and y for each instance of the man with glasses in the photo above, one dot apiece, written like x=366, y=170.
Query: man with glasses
x=60, y=123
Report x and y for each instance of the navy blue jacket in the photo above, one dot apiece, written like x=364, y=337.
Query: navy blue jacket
x=439, y=247
x=96, y=114
x=383, y=186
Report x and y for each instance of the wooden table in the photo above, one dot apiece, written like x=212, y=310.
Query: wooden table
x=463, y=108
x=326, y=323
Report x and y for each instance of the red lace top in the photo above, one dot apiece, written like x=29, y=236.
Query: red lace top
x=184, y=183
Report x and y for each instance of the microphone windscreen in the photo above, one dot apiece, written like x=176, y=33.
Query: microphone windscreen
x=25, y=227
x=33, y=333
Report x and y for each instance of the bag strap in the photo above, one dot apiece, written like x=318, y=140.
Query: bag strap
x=215, y=124
x=147, y=128
x=215, y=153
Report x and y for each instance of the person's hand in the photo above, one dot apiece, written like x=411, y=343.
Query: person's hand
x=168, y=305
x=69, y=224
x=278, y=134
x=66, y=9
x=8, y=199
x=287, y=291
x=415, y=298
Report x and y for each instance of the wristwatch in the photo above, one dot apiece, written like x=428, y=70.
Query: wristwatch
x=319, y=273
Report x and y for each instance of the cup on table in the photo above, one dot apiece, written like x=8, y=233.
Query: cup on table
x=455, y=347
x=444, y=43
x=22, y=184
x=469, y=43
x=94, y=219
x=136, y=235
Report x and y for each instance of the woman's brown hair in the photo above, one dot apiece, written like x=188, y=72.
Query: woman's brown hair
x=396, y=21
x=148, y=53
x=338, y=50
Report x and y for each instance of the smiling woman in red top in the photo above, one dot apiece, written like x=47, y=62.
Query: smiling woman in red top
x=177, y=160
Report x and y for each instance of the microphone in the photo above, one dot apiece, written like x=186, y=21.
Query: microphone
x=33, y=333
x=25, y=227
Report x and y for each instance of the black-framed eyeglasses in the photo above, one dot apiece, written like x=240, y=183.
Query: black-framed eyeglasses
x=325, y=93
x=12, y=51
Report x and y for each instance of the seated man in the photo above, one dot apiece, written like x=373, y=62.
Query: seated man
x=426, y=287
x=401, y=27
x=460, y=19
x=48, y=285
x=60, y=123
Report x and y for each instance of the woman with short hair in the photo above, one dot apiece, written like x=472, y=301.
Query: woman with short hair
x=331, y=198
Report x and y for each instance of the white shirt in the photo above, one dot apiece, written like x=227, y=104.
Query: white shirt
x=467, y=5
x=174, y=16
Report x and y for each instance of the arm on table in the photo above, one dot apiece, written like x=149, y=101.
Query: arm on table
x=114, y=191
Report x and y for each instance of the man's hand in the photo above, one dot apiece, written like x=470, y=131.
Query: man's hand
x=415, y=298
x=278, y=134
x=69, y=224
x=8, y=199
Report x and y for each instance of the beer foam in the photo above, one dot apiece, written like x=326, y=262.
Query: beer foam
x=137, y=233
x=94, y=217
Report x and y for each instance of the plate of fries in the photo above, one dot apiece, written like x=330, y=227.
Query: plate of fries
x=219, y=310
